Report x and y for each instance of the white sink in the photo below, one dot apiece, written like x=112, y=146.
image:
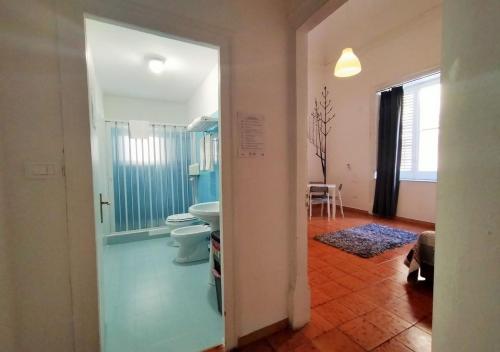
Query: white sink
x=208, y=212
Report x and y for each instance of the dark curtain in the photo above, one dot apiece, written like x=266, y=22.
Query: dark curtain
x=389, y=153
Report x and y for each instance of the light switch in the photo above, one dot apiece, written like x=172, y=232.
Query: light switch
x=40, y=170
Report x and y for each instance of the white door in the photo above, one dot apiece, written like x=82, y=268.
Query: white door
x=102, y=202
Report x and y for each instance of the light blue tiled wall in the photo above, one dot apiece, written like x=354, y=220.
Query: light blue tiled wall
x=208, y=181
x=208, y=185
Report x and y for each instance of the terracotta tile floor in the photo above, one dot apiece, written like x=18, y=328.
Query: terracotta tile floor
x=359, y=304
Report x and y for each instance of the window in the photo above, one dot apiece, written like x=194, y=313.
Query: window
x=419, y=152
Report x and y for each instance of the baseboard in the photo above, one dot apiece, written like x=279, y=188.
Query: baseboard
x=136, y=235
x=132, y=236
x=353, y=210
x=356, y=210
x=219, y=348
x=262, y=333
x=416, y=222
x=400, y=218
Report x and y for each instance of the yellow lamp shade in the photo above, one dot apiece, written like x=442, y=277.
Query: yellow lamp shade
x=348, y=64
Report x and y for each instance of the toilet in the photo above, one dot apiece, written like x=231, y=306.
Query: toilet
x=180, y=220
x=193, y=243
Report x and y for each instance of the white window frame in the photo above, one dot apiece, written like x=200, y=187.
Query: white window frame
x=415, y=174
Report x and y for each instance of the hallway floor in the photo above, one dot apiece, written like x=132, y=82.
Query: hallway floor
x=359, y=304
x=153, y=304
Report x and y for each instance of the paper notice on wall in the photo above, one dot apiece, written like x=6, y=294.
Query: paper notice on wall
x=251, y=134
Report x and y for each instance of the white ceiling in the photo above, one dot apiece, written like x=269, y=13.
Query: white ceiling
x=120, y=53
x=361, y=23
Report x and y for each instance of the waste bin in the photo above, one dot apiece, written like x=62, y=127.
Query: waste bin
x=218, y=288
x=216, y=270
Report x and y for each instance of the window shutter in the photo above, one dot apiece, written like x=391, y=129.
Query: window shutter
x=407, y=131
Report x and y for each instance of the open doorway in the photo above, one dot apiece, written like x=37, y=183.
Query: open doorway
x=154, y=116
x=359, y=282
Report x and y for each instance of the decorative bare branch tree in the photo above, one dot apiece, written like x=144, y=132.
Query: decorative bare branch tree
x=319, y=127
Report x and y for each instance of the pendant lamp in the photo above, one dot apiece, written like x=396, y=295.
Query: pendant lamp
x=348, y=64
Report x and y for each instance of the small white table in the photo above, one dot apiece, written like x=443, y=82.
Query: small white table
x=331, y=191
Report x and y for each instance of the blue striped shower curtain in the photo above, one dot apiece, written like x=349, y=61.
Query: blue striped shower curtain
x=150, y=175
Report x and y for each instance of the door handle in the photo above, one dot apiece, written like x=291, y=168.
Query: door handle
x=101, y=203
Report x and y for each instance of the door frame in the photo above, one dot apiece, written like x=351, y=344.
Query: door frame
x=77, y=157
x=303, y=20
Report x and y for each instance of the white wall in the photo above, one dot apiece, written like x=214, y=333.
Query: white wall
x=7, y=324
x=403, y=52
x=127, y=108
x=205, y=100
x=467, y=286
x=417, y=200
x=36, y=214
x=31, y=125
x=316, y=81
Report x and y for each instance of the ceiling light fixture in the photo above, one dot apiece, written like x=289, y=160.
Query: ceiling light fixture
x=156, y=65
x=348, y=64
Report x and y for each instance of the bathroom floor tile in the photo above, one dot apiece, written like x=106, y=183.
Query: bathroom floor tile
x=153, y=304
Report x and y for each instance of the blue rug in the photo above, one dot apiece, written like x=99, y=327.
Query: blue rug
x=368, y=240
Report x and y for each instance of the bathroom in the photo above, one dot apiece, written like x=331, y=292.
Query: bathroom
x=154, y=120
